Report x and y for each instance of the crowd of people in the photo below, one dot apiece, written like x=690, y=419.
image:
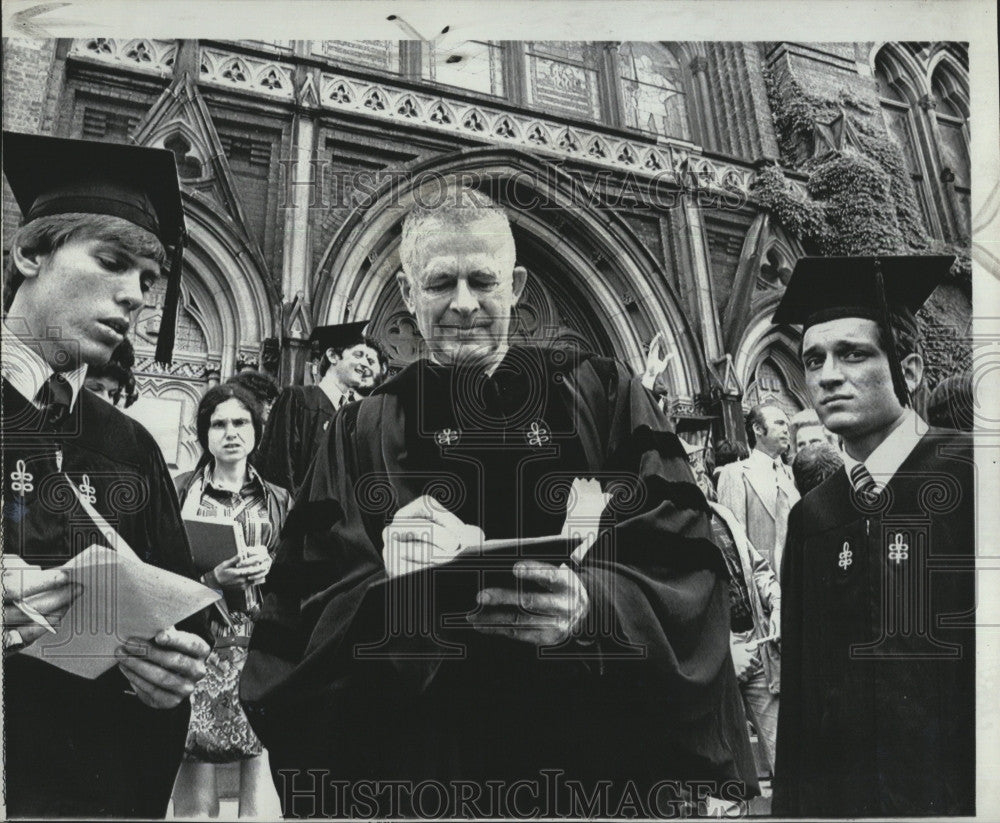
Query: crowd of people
x=357, y=661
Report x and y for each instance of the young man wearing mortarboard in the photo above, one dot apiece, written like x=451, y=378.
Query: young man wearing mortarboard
x=351, y=365
x=878, y=670
x=97, y=217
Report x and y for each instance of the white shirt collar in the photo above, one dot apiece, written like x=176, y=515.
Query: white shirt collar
x=761, y=461
x=888, y=456
x=23, y=366
x=333, y=393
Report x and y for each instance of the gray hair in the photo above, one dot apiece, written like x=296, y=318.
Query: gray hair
x=454, y=209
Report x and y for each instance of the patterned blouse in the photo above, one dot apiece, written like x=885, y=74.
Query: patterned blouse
x=248, y=507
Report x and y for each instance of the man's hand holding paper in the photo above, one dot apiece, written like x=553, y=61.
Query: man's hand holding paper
x=49, y=592
x=423, y=534
x=122, y=598
x=545, y=609
x=164, y=671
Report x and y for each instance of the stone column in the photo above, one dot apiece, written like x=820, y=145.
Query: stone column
x=698, y=276
x=303, y=190
x=702, y=94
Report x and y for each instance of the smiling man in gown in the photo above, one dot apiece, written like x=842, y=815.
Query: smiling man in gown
x=612, y=666
x=350, y=367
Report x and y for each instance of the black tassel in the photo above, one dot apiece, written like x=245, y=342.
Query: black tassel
x=168, y=322
x=895, y=369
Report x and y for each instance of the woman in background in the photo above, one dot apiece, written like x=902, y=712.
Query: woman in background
x=114, y=380
x=225, y=486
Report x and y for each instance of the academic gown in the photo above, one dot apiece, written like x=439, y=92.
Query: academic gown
x=878, y=654
x=79, y=747
x=650, y=695
x=298, y=421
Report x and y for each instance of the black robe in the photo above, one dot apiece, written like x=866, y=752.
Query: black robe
x=79, y=747
x=652, y=698
x=298, y=422
x=878, y=657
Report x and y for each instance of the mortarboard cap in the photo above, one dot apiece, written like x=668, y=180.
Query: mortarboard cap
x=54, y=175
x=830, y=288
x=337, y=337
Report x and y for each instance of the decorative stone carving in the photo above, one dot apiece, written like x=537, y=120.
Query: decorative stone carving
x=155, y=56
x=191, y=371
x=663, y=157
x=250, y=73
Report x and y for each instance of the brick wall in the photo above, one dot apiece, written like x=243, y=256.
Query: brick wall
x=27, y=65
x=26, y=69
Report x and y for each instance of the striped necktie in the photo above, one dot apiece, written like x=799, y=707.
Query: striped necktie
x=54, y=398
x=864, y=484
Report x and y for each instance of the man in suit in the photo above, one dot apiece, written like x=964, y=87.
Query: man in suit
x=760, y=490
x=878, y=642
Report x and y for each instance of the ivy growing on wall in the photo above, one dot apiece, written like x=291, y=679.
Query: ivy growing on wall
x=861, y=193
x=859, y=198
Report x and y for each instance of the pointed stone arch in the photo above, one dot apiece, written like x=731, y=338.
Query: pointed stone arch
x=768, y=255
x=234, y=307
x=764, y=344
x=616, y=289
x=949, y=83
x=934, y=142
x=182, y=113
x=904, y=73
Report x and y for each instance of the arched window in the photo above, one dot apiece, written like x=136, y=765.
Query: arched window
x=898, y=97
x=653, y=90
x=773, y=382
x=925, y=102
x=951, y=114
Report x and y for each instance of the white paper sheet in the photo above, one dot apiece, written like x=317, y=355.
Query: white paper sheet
x=121, y=598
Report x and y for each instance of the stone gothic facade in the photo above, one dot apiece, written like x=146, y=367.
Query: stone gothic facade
x=652, y=187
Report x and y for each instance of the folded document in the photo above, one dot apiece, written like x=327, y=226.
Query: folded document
x=121, y=598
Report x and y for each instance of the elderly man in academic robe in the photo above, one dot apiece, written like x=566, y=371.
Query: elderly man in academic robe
x=609, y=666
x=878, y=698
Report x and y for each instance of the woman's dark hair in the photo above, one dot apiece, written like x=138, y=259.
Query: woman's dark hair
x=215, y=397
x=814, y=464
x=119, y=369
